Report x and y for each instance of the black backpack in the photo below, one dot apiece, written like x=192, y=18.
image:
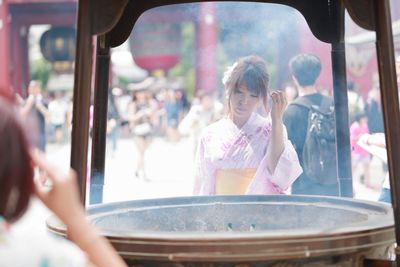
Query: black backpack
x=319, y=149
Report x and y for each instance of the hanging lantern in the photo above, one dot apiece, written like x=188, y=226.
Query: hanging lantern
x=156, y=46
x=58, y=44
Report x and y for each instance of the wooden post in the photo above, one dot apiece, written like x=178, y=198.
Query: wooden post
x=99, y=121
x=5, y=87
x=82, y=91
x=390, y=104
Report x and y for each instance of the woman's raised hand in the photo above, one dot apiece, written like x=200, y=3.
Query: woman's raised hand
x=62, y=196
x=279, y=104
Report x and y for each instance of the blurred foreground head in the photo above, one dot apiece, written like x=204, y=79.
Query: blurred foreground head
x=16, y=170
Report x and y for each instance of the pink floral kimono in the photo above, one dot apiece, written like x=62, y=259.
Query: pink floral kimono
x=223, y=146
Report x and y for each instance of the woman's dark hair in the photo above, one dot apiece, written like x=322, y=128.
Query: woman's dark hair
x=16, y=169
x=251, y=70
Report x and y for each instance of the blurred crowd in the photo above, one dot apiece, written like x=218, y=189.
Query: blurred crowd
x=142, y=113
x=138, y=112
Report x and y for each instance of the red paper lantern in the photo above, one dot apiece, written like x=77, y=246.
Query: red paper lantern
x=156, y=46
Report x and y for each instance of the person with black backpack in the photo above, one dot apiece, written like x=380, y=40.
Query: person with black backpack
x=310, y=123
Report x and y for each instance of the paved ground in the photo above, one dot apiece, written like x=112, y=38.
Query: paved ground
x=169, y=168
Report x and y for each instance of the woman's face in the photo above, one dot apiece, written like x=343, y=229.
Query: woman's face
x=243, y=102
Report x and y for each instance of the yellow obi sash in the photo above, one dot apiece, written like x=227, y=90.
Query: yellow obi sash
x=233, y=181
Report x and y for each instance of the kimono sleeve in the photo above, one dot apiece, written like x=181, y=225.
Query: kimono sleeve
x=204, y=178
x=286, y=172
x=288, y=168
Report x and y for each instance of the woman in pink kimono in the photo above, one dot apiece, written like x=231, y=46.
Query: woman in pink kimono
x=244, y=152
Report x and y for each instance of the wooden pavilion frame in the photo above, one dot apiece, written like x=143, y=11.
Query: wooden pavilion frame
x=112, y=21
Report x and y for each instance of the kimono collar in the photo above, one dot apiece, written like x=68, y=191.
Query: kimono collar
x=248, y=124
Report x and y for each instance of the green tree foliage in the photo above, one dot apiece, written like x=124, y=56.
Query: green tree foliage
x=40, y=70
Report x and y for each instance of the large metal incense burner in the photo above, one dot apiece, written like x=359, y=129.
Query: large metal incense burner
x=251, y=230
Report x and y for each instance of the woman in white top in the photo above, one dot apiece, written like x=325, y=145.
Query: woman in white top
x=17, y=186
